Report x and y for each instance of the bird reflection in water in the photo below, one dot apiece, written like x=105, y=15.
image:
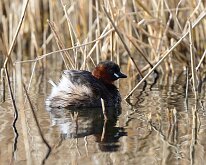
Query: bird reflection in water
x=79, y=123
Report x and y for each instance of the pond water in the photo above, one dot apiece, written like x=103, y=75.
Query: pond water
x=158, y=126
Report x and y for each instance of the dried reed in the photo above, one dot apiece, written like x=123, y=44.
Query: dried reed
x=79, y=35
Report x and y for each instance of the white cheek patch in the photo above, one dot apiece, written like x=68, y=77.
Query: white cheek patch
x=116, y=75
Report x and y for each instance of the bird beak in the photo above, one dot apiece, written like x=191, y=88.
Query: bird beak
x=120, y=75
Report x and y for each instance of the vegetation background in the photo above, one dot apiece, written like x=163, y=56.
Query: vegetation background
x=147, y=27
x=39, y=38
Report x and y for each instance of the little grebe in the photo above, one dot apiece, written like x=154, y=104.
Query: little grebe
x=80, y=88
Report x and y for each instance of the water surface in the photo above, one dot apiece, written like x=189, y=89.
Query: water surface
x=157, y=126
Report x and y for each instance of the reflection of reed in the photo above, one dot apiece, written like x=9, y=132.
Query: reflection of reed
x=39, y=128
x=195, y=128
x=171, y=125
x=15, y=115
x=23, y=119
x=103, y=131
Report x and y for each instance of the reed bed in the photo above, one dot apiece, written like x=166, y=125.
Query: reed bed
x=146, y=36
x=82, y=33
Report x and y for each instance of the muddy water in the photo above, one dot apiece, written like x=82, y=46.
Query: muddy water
x=157, y=126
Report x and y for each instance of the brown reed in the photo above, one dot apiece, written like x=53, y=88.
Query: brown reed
x=141, y=34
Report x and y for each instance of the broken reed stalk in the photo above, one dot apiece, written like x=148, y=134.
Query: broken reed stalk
x=139, y=50
x=17, y=32
x=176, y=15
x=97, y=48
x=187, y=86
x=61, y=20
x=92, y=49
x=193, y=65
x=15, y=111
x=73, y=34
x=66, y=49
x=103, y=109
x=61, y=46
x=4, y=69
x=121, y=38
x=38, y=125
x=140, y=4
x=201, y=16
x=201, y=60
x=69, y=24
x=32, y=74
x=95, y=45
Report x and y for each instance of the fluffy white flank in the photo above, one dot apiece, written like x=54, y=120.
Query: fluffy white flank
x=67, y=87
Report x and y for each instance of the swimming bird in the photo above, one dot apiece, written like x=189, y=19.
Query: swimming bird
x=81, y=88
